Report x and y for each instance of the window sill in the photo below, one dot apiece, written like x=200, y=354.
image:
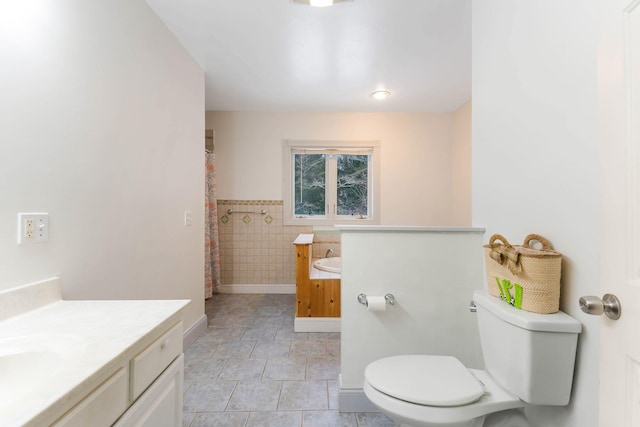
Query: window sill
x=330, y=221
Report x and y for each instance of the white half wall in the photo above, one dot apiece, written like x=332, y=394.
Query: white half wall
x=101, y=126
x=432, y=273
x=416, y=158
x=535, y=155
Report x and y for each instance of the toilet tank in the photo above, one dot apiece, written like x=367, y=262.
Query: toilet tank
x=530, y=355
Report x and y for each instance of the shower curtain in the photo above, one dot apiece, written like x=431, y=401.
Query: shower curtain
x=212, y=248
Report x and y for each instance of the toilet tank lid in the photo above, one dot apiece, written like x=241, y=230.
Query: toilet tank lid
x=555, y=322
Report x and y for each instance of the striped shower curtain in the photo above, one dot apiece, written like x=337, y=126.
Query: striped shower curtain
x=211, y=245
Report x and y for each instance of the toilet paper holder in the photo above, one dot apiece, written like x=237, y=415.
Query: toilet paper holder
x=362, y=299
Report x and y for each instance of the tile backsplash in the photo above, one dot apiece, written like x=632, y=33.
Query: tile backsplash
x=323, y=240
x=258, y=248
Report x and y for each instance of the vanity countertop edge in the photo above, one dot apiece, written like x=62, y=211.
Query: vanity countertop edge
x=111, y=332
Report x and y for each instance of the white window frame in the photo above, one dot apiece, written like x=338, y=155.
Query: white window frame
x=291, y=147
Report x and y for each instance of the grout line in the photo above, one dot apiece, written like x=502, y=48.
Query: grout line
x=326, y=385
x=231, y=396
x=279, y=395
x=306, y=366
x=224, y=365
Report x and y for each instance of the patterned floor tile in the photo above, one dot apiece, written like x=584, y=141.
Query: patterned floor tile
x=308, y=348
x=303, y=396
x=187, y=418
x=220, y=419
x=203, y=370
x=322, y=368
x=255, y=396
x=329, y=419
x=243, y=369
x=285, y=368
x=374, y=419
x=289, y=334
x=271, y=349
x=259, y=334
x=207, y=396
x=275, y=419
x=231, y=349
x=250, y=369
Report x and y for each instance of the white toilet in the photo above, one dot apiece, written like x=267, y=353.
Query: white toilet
x=529, y=360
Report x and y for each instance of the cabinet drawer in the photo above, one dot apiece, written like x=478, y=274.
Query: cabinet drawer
x=146, y=366
x=161, y=404
x=100, y=408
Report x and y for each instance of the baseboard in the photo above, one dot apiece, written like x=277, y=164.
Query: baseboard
x=316, y=324
x=354, y=400
x=257, y=289
x=194, y=332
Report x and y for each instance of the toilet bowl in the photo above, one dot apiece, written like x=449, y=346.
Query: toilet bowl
x=529, y=360
x=456, y=396
x=510, y=418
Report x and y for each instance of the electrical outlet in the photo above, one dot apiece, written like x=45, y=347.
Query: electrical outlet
x=188, y=219
x=33, y=227
x=29, y=228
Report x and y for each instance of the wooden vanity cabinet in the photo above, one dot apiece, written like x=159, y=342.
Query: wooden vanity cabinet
x=314, y=297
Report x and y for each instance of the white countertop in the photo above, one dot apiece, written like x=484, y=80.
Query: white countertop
x=303, y=239
x=106, y=334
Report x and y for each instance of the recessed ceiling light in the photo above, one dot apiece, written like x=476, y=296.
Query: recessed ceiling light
x=381, y=94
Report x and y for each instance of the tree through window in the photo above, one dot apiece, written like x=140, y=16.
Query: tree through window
x=353, y=184
x=309, y=189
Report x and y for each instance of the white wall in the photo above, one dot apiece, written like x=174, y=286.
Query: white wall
x=535, y=154
x=461, y=166
x=432, y=274
x=101, y=126
x=416, y=157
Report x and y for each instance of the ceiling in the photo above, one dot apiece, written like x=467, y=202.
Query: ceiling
x=273, y=55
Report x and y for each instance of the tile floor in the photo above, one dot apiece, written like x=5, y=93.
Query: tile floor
x=250, y=369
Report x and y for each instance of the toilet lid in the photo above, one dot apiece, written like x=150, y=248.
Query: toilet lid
x=425, y=380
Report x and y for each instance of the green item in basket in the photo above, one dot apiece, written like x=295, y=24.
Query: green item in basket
x=506, y=295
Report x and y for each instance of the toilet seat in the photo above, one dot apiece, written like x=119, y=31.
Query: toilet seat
x=494, y=399
x=429, y=380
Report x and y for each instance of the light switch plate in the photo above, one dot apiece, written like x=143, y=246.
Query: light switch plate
x=33, y=228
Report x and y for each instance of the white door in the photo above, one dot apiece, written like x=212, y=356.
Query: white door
x=619, y=113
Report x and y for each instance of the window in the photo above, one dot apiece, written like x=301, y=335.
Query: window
x=330, y=182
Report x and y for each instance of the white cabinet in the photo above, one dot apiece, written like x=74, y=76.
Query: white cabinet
x=147, y=365
x=101, y=407
x=144, y=391
x=161, y=404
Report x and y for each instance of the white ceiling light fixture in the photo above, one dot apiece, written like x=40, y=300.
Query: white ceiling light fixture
x=321, y=3
x=318, y=3
x=381, y=94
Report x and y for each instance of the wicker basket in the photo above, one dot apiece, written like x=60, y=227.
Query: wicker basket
x=523, y=276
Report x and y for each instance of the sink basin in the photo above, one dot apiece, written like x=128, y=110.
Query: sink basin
x=26, y=362
x=331, y=265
